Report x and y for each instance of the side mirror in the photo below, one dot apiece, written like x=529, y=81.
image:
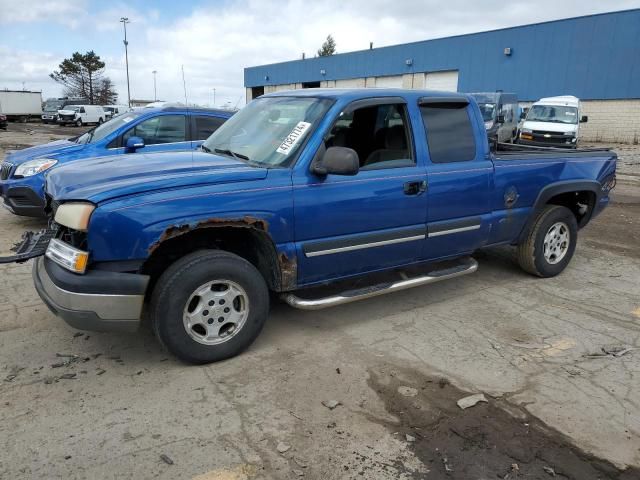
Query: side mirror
x=134, y=143
x=584, y=119
x=338, y=161
x=522, y=115
x=500, y=119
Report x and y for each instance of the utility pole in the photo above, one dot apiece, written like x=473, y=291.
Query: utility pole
x=124, y=21
x=155, y=94
x=214, y=98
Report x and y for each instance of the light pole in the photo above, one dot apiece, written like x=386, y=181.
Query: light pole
x=124, y=21
x=214, y=98
x=155, y=95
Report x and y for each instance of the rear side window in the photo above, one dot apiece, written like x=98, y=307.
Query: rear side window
x=205, y=126
x=449, y=132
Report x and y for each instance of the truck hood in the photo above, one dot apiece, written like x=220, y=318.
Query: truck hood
x=67, y=112
x=105, y=178
x=48, y=150
x=551, y=126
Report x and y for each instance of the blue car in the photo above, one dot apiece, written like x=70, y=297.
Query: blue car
x=155, y=129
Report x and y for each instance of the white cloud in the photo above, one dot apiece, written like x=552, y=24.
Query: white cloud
x=66, y=12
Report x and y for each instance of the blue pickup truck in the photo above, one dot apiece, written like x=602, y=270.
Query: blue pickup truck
x=321, y=196
x=154, y=129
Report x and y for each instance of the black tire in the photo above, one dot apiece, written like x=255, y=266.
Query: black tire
x=100, y=121
x=531, y=255
x=176, y=286
x=79, y=122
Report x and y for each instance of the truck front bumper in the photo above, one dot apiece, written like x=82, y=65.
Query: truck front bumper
x=99, y=300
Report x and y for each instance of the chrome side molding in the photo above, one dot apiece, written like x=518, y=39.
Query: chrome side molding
x=467, y=266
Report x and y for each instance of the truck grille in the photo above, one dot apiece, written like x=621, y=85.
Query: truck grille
x=5, y=170
x=66, y=117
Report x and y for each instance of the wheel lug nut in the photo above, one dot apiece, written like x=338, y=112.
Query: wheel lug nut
x=210, y=321
x=227, y=310
x=222, y=302
x=205, y=313
x=221, y=319
x=212, y=303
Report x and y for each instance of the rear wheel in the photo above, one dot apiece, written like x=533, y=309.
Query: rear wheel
x=550, y=242
x=209, y=305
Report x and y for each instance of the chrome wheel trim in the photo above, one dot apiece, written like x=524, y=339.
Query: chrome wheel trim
x=556, y=243
x=215, y=312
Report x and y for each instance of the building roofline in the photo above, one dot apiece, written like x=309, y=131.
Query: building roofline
x=445, y=38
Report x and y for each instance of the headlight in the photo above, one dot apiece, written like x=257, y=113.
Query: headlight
x=569, y=134
x=525, y=130
x=34, y=167
x=75, y=215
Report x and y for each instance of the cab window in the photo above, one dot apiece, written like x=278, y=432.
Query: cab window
x=378, y=133
x=160, y=129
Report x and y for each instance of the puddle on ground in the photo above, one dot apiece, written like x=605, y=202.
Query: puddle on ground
x=488, y=441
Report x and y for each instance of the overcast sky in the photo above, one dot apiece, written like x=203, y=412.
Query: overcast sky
x=215, y=40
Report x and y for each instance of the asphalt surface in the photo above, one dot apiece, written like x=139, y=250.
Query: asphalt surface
x=92, y=405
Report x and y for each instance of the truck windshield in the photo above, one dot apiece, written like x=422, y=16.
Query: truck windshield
x=107, y=128
x=553, y=114
x=488, y=111
x=53, y=105
x=268, y=131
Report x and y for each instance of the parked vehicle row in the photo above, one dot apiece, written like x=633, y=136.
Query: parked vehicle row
x=53, y=105
x=164, y=129
x=298, y=190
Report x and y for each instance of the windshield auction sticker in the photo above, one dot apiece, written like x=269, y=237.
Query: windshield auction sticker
x=293, y=138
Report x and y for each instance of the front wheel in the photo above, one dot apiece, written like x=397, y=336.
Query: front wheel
x=209, y=306
x=100, y=121
x=79, y=122
x=550, y=242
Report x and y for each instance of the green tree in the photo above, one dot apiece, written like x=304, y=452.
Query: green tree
x=328, y=47
x=83, y=76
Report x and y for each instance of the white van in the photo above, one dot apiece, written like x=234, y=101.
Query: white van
x=80, y=115
x=114, y=110
x=553, y=122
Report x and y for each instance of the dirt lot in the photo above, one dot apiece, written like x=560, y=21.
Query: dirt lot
x=90, y=405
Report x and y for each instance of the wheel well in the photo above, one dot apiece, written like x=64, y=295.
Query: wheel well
x=581, y=203
x=253, y=245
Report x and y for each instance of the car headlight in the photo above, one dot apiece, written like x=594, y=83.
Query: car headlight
x=569, y=134
x=33, y=167
x=75, y=215
x=525, y=130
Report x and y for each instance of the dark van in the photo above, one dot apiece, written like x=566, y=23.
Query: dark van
x=500, y=115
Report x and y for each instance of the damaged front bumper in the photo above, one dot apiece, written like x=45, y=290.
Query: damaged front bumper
x=98, y=300
x=32, y=245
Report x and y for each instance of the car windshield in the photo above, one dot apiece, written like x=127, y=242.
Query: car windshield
x=268, y=131
x=553, y=114
x=107, y=128
x=488, y=111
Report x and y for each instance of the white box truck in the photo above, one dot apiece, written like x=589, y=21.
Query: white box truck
x=20, y=105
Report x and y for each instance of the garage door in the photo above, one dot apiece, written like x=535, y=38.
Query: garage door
x=350, y=83
x=392, y=81
x=447, y=81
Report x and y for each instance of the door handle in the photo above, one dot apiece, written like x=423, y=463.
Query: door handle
x=415, y=188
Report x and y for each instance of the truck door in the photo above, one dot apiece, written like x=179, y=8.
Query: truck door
x=345, y=225
x=460, y=175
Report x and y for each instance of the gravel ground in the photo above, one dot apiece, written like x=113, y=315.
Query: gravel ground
x=91, y=405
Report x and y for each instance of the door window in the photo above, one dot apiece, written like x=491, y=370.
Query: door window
x=160, y=129
x=378, y=133
x=449, y=132
x=205, y=126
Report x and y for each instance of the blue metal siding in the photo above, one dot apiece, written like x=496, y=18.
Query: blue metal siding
x=592, y=57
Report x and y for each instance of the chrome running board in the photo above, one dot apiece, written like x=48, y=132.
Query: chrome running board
x=467, y=265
